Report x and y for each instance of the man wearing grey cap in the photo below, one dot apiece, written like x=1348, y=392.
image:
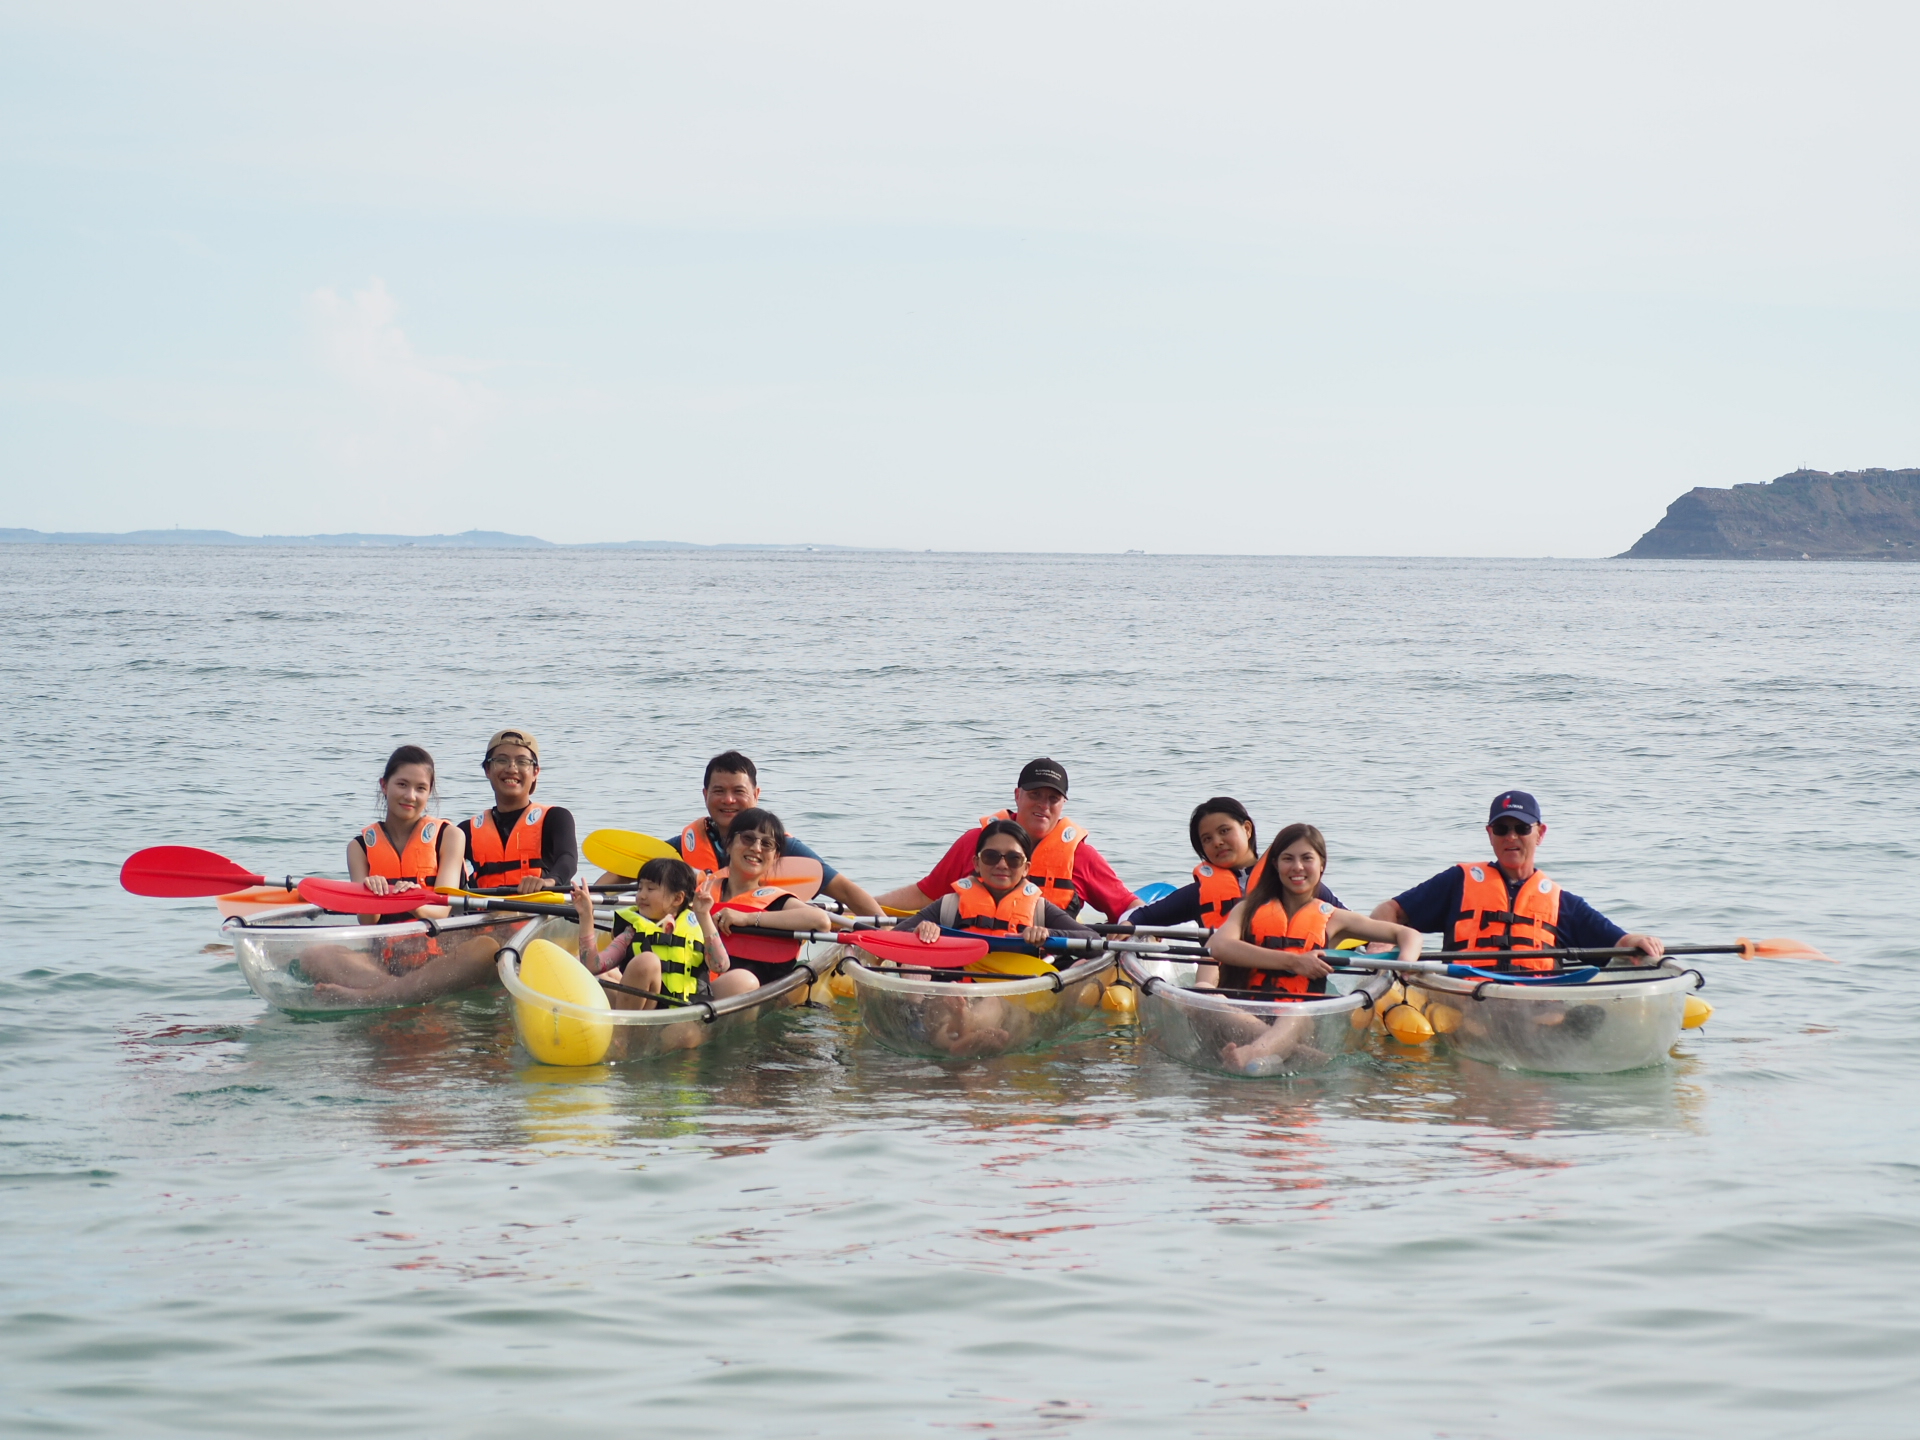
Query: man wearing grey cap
x=1508, y=905
x=1068, y=870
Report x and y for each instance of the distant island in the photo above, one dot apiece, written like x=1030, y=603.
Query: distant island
x=1807, y=515
x=465, y=540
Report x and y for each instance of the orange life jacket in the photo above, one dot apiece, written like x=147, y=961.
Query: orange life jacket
x=974, y=908
x=696, y=848
x=1488, y=920
x=1271, y=928
x=1051, y=867
x=420, y=862
x=496, y=863
x=753, y=900
x=1219, y=892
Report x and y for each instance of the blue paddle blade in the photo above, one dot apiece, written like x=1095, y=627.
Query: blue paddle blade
x=1159, y=890
x=1510, y=977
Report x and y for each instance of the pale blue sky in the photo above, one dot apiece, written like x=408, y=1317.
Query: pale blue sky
x=1308, y=278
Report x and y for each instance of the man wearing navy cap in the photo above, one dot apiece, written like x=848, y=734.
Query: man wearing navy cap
x=1508, y=905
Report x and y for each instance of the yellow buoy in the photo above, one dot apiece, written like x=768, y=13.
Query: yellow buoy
x=1417, y=998
x=1444, y=1018
x=552, y=1036
x=1408, y=1025
x=1118, y=998
x=841, y=986
x=1697, y=1014
x=1396, y=993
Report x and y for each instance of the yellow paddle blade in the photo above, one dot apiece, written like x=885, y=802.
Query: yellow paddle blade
x=898, y=913
x=540, y=897
x=623, y=852
x=1011, y=962
x=1780, y=948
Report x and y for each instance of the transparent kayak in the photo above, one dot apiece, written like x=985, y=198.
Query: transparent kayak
x=668, y=1030
x=952, y=1020
x=1619, y=1020
x=1234, y=1035
x=290, y=954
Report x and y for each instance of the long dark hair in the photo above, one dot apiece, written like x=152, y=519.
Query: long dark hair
x=1266, y=885
x=676, y=877
x=765, y=821
x=1006, y=827
x=1221, y=805
x=409, y=755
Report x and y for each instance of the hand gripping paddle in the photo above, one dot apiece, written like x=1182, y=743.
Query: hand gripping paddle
x=342, y=897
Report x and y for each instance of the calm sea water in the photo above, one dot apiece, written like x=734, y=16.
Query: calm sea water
x=222, y=1221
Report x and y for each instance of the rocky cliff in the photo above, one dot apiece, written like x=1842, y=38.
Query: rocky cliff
x=1808, y=515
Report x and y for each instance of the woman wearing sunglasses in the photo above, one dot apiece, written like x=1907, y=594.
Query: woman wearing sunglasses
x=755, y=841
x=1508, y=905
x=996, y=902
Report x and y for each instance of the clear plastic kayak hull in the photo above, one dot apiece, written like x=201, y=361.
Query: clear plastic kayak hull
x=952, y=1020
x=1231, y=1035
x=649, y=1034
x=285, y=952
x=1621, y=1019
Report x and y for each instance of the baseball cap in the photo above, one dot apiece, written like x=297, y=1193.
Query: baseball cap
x=1515, y=805
x=1044, y=774
x=513, y=737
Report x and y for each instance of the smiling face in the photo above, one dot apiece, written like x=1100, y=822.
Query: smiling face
x=1512, y=851
x=513, y=772
x=727, y=794
x=408, y=790
x=999, y=864
x=1038, y=810
x=750, y=855
x=1226, y=842
x=656, y=901
x=1299, y=867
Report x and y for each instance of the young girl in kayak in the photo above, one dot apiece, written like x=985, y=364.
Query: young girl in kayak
x=405, y=849
x=667, y=942
x=741, y=893
x=1222, y=835
x=997, y=902
x=1272, y=941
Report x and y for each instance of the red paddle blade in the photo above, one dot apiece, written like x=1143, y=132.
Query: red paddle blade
x=345, y=898
x=767, y=949
x=179, y=871
x=903, y=947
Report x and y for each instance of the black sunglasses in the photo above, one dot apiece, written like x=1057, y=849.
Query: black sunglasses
x=1510, y=827
x=1012, y=859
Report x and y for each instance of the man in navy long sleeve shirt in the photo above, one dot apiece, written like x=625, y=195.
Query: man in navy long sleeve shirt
x=1534, y=914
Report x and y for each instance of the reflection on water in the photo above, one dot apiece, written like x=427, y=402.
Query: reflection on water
x=220, y=1220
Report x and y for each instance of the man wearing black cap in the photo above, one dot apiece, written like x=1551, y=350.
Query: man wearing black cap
x=1508, y=905
x=1068, y=869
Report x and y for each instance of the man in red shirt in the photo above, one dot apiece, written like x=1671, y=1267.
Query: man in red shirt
x=1067, y=867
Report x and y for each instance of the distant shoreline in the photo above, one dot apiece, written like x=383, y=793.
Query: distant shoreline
x=466, y=540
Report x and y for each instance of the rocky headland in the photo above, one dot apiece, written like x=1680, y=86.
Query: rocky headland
x=1808, y=515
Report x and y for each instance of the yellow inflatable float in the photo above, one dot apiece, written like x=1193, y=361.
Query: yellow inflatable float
x=552, y=1036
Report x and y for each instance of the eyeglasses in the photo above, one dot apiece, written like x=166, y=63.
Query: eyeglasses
x=1510, y=827
x=755, y=840
x=514, y=762
x=1012, y=859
